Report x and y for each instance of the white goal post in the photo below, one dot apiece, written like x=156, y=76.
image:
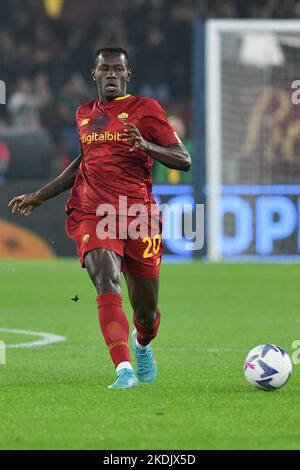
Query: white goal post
x=251, y=133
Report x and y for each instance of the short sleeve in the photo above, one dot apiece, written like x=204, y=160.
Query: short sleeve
x=78, y=117
x=155, y=127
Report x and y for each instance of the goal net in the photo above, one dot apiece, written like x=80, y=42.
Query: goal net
x=253, y=138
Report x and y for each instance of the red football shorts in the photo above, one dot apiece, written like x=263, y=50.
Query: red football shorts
x=141, y=252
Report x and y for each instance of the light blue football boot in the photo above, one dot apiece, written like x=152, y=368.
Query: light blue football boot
x=126, y=379
x=146, y=365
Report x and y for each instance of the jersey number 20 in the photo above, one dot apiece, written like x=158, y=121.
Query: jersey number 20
x=153, y=246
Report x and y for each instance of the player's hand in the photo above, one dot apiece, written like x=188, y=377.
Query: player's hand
x=132, y=134
x=25, y=203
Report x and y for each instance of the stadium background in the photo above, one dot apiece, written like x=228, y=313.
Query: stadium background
x=46, y=50
x=46, y=56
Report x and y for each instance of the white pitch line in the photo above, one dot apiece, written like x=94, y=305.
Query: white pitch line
x=47, y=338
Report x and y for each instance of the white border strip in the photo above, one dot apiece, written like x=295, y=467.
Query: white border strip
x=47, y=338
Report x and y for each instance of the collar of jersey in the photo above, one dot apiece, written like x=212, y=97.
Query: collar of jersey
x=112, y=103
x=121, y=97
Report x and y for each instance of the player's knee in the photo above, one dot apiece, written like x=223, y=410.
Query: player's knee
x=108, y=283
x=145, y=314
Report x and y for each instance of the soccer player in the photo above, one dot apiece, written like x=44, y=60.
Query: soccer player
x=120, y=135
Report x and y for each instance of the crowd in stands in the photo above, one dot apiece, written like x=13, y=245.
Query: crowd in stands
x=46, y=56
x=46, y=49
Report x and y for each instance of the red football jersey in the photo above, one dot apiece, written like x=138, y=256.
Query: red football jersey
x=108, y=168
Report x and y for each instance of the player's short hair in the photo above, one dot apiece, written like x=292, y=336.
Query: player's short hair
x=113, y=50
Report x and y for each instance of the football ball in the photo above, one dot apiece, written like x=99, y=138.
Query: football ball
x=267, y=367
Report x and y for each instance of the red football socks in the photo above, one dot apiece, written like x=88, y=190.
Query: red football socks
x=114, y=326
x=146, y=332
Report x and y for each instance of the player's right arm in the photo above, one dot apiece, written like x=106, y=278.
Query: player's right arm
x=26, y=203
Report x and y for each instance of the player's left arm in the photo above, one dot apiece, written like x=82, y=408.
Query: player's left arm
x=173, y=156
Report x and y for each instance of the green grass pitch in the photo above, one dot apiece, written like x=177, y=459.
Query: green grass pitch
x=56, y=397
